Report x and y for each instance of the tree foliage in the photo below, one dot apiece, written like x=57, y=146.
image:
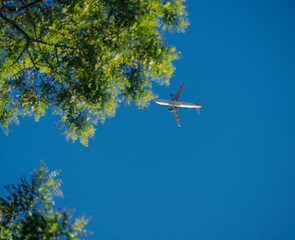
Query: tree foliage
x=28, y=212
x=83, y=58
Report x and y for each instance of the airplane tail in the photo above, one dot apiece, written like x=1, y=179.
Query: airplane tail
x=198, y=109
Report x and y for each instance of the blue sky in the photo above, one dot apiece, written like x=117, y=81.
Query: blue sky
x=226, y=174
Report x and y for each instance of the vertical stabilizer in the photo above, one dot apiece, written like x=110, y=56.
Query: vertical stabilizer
x=198, y=103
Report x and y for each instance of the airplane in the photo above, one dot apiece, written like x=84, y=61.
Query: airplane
x=174, y=104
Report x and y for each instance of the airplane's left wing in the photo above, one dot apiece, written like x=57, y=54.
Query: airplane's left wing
x=176, y=116
x=177, y=94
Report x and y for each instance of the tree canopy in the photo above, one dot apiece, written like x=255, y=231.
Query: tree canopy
x=28, y=212
x=81, y=59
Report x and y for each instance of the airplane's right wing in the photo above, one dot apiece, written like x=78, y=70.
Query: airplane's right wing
x=176, y=116
x=177, y=94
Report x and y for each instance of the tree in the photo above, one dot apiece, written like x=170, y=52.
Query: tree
x=81, y=59
x=28, y=212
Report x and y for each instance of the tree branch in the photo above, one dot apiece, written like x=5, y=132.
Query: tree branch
x=16, y=26
x=15, y=9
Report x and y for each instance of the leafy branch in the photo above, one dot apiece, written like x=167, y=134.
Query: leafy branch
x=29, y=39
x=84, y=57
x=28, y=212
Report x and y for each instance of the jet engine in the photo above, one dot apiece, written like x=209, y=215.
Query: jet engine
x=171, y=95
x=170, y=110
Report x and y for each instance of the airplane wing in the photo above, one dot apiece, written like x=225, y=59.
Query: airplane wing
x=177, y=94
x=176, y=116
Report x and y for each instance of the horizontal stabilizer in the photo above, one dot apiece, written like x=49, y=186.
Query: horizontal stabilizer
x=198, y=110
x=199, y=102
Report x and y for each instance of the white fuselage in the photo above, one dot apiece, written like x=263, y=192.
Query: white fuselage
x=177, y=104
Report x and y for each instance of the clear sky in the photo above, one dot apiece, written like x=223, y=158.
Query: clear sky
x=226, y=174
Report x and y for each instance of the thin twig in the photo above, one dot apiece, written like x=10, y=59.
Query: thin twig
x=25, y=69
x=53, y=44
x=20, y=54
x=32, y=59
x=56, y=56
